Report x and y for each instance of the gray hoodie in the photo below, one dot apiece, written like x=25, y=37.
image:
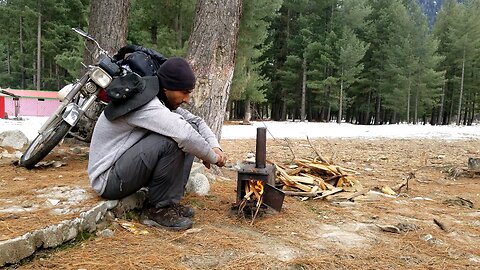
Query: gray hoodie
x=112, y=138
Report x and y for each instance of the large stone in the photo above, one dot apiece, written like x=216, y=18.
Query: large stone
x=14, y=250
x=198, y=184
x=134, y=201
x=13, y=138
x=197, y=168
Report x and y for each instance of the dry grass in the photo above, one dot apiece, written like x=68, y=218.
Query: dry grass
x=300, y=236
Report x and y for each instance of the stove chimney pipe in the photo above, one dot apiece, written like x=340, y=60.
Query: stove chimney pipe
x=261, y=148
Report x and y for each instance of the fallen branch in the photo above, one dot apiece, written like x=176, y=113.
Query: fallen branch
x=324, y=160
x=441, y=225
x=289, y=147
x=328, y=193
x=300, y=193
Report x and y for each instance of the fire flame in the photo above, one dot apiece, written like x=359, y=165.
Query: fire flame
x=258, y=185
x=254, y=190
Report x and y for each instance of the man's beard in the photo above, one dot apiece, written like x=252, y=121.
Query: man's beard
x=163, y=98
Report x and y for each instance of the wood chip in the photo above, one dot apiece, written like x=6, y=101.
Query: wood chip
x=441, y=224
x=328, y=192
x=389, y=228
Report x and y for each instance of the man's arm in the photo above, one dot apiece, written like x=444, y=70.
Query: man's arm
x=156, y=117
x=205, y=131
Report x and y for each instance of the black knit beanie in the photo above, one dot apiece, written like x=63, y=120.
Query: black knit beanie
x=176, y=74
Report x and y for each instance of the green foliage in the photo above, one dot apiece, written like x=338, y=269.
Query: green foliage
x=458, y=30
x=162, y=25
x=248, y=83
x=58, y=43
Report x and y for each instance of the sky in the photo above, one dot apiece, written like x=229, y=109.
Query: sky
x=300, y=130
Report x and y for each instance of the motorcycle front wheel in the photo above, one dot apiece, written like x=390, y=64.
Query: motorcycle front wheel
x=44, y=142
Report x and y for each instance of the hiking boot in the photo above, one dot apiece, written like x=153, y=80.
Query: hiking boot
x=166, y=217
x=184, y=211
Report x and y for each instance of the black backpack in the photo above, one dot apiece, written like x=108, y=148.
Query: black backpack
x=143, y=61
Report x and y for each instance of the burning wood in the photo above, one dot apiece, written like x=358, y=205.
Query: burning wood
x=316, y=179
x=255, y=188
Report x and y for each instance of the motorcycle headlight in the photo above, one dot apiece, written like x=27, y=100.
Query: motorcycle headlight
x=64, y=91
x=100, y=77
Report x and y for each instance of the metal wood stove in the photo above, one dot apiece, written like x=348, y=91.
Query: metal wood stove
x=260, y=171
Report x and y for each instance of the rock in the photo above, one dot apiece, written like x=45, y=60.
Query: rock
x=106, y=233
x=197, y=168
x=76, y=150
x=407, y=227
x=198, y=184
x=459, y=201
x=389, y=228
x=53, y=201
x=430, y=239
x=474, y=164
x=13, y=138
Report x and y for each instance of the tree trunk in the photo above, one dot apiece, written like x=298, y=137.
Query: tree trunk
x=442, y=101
x=248, y=112
x=283, y=115
x=304, y=88
x=408, y=99
x=153, y=32
x=472, y=115
x=39, y=46
x=377, y=110
x=9, y=69
x=416, y=107
x=340, y=100
x=211, y=52
x=57, y=77
x=461, y=90
x=108, y=25
x=22, y=57
x=179, y=25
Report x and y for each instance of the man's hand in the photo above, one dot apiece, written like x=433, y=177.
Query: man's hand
x=206, y=163
x=221, y=157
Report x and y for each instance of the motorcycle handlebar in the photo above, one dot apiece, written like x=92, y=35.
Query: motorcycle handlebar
x=89, y=37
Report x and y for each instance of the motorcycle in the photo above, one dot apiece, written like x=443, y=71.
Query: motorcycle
x=82, y=103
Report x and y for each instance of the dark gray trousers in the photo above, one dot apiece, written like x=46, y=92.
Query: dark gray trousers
x=155, y=162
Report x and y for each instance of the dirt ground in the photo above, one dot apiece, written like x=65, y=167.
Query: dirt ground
x=312, y=234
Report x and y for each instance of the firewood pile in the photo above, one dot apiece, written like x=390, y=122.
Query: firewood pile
x=310, y=178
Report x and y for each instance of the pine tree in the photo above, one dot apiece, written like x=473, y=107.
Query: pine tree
x=248, y=85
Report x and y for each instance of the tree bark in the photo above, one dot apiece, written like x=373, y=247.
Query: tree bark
x=340, y=100
x=153, y=32
x=248, y=112
x=179, y=25
x=39, y=47
x=211, y=52
x=22, y=57
x=459, y=111
x=304, y=88
x=442, y=103
x=108, y=23
x=377, y=109
x=9, y=70
x=408, y=99
x=415, y=119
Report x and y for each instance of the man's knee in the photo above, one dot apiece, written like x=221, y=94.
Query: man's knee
x=161, y=143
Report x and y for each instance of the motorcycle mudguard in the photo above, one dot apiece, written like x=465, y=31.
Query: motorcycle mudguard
x=71, y=115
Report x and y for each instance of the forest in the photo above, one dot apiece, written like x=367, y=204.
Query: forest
x=356, y=61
